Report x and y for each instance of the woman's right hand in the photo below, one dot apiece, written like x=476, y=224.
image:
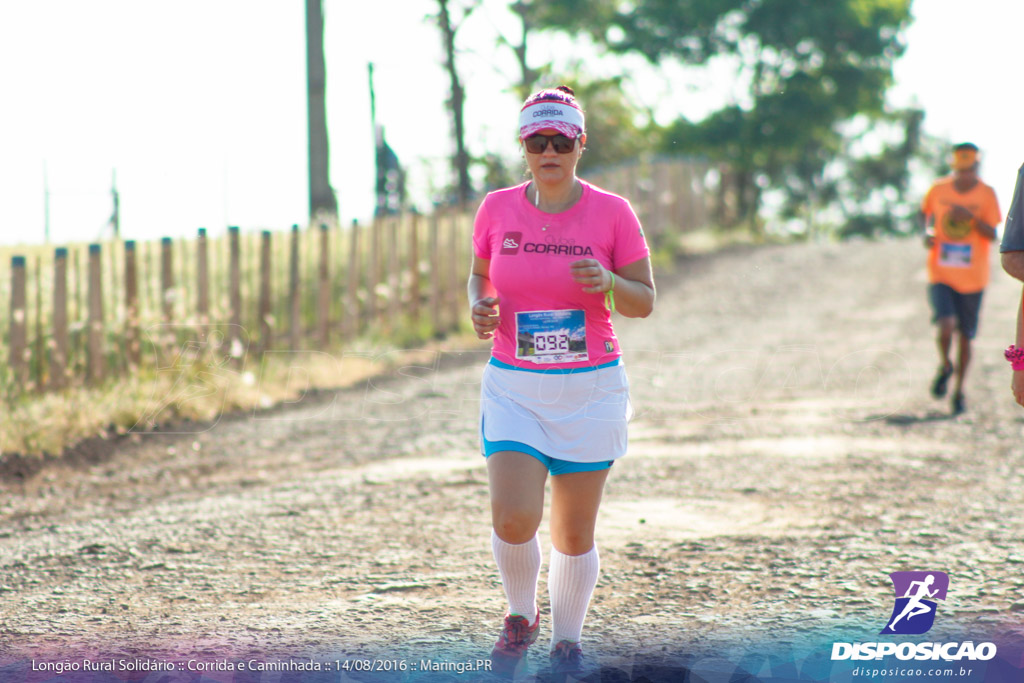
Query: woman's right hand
x=484, y=314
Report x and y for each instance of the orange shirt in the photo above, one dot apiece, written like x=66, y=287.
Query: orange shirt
x=960, y=255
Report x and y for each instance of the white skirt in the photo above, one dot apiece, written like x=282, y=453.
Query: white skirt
x=578, y=416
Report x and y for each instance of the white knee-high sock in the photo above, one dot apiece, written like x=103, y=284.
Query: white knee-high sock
x=571, y=582
x=519, y=566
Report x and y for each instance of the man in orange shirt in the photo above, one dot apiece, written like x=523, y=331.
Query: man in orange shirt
x=960, y=215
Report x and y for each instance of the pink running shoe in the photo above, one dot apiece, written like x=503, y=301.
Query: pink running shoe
x=510, y=648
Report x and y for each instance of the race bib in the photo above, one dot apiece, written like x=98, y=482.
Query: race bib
x=955, y=255
x=551, y=336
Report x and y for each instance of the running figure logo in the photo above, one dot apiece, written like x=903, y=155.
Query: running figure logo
x=916, y=593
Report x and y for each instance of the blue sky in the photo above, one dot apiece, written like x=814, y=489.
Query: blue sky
x=199, y=105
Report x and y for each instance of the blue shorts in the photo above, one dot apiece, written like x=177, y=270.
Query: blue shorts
x=949, y=303
x=554, y=465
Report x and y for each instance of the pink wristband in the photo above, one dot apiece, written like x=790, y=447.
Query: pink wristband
x=1016, y=357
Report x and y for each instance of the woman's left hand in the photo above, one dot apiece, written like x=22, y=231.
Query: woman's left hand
x=595, y=278
x=1017, y=386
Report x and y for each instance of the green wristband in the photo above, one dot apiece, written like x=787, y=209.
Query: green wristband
x=609, y=296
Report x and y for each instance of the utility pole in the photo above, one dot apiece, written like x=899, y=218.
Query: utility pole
x=321, y=194
x=377, y=144
x=373, y=98
x=390, y=189
x=115, y=218
x=381, y=184
x=46, y=204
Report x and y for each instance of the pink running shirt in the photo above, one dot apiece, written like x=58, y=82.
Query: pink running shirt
x=547, y=321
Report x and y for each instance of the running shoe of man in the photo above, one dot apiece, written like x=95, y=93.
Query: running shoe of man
x=959, y=404
x=941, y=380
x=510, y=649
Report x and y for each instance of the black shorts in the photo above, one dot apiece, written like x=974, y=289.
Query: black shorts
x=949, y=303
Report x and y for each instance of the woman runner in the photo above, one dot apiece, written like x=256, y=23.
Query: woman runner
x=553, y=257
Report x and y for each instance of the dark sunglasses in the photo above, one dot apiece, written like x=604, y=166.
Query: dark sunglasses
x=536, y=144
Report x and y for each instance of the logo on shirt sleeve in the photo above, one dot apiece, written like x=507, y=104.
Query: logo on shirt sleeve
x=510, y=243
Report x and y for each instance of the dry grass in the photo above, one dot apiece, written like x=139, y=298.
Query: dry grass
x=201, y=391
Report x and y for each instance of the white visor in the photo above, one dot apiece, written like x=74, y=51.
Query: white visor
x=562, y=117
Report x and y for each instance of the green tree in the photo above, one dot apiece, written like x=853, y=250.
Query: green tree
x=875, y=191
x=811, y=65
x=614, y=133
x=528, y=76
x=456, y=102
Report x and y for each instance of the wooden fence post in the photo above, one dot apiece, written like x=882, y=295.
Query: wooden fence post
x=353, y=313
x=699, y=196
x=131, y=307
x=202, y=279
x=657, y=202
x=235, y=290
x=112, y=287
x=395, y=268
x=386, y=230
x=77, y=278
x=633, y=192
x=676, y=183
x=324, y=299
x=294, y=301
x=455, y=308
x=19, y=320
x=96, y=367
x=168, y=335
x=435, y=272
x=150, y=301
x=39, y=358
x=374, y=271
x=167, y=278
x=59, y=363
x=688, y=204
x=414, y=270
x=264, y=304
x=77, y=326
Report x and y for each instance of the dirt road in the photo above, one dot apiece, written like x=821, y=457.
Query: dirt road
x=785, y=458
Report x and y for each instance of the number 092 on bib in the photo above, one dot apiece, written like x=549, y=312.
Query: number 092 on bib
x=551, y=336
